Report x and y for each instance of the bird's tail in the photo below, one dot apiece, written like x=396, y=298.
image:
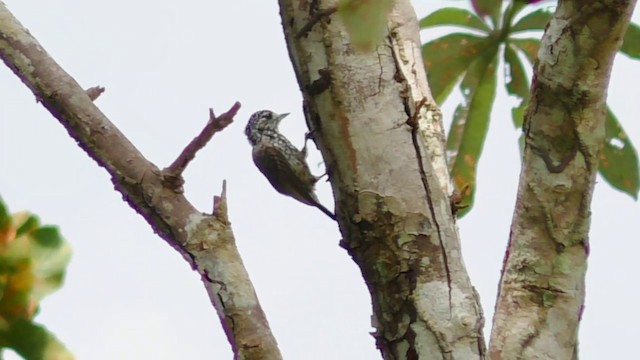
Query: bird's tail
x=325, y=210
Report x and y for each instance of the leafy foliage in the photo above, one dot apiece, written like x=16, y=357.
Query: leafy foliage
x=479, y=90
x=631, y=42
x=618, y=150
x=33, y=260
x=473, y=57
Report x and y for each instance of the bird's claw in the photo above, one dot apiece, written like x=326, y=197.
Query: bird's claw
x=307, y=136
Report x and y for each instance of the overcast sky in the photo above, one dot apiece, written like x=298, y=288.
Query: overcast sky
x=128, y=295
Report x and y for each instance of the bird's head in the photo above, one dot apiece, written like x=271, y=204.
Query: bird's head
x=262, y=122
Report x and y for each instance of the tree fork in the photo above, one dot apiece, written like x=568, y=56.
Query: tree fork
x=206, y=241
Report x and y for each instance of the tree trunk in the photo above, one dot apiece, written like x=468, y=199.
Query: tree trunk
x=381, y=136
x=541, y=295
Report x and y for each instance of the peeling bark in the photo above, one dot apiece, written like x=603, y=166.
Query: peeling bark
x=381, y=136
x=542, y=290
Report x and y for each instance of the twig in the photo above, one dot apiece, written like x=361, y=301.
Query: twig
x=215, y=124
x=94, y=92
x=220, y=204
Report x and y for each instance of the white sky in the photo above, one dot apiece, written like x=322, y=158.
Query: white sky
x=128, y=295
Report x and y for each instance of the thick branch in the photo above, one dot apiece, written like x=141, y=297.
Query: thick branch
x=541, y=294
x=203, y=240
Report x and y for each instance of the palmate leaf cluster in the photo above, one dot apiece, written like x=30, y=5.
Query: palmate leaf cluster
x=495, y=35
x=33, y=261
x=470, y=59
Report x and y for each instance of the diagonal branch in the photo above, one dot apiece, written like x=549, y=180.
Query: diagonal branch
x=172, y=175
x=215, y=124
x=205, y=241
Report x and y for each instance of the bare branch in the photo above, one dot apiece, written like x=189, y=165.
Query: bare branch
x=214, y=125
x=205, y=241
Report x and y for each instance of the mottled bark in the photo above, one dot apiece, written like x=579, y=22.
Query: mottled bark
x=542, y=290
x=381, y=136
x=206, y=241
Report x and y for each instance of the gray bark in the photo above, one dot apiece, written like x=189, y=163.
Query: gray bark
x=542, y=290
x=206, y=241
x=381, y=136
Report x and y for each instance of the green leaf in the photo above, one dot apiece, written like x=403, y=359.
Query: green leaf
x=470, y=125
x=515, y=76
x=33, y=260
x=456, y=132
x=25, y=222
x=517, y=113
x=619, y=159
x=448, y=57
x=518, y=6
x=631, y=41
x=508, y=16
x=33, y=341
x=529, y=48
x=5, y=219
x=454, y=17
x=488, y=7
x=517, y=83
x=365, y=20
x=534, y=21
x=48, y=236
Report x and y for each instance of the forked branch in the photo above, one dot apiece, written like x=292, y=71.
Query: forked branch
x=215, y=124
x=205, y=241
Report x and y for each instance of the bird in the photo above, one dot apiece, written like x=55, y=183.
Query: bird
x=279, y=161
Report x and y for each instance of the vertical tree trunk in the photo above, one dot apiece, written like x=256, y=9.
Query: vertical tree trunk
x=541, y=295
x=381, y=136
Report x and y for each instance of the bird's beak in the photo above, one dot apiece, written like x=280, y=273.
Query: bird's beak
x=281, y=116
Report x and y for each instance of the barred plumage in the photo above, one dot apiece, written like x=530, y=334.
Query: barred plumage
x=279, y=161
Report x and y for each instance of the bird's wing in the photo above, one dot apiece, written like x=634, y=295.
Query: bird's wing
x=295, y=181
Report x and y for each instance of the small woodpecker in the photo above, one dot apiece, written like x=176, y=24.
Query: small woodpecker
x=279, y=161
